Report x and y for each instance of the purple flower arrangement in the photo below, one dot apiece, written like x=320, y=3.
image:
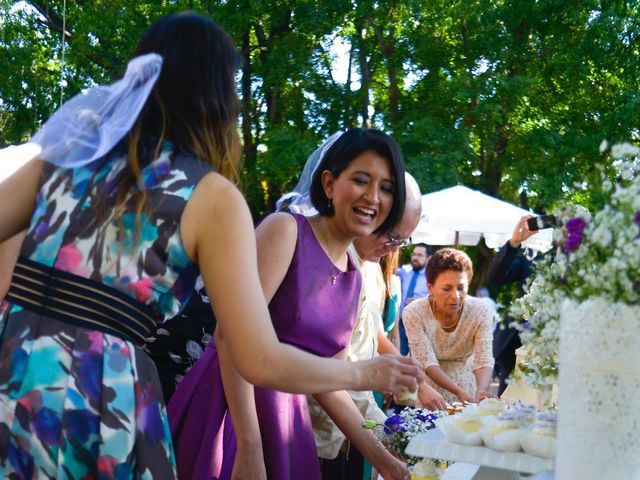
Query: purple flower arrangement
x=575, y=227
x=397, y=430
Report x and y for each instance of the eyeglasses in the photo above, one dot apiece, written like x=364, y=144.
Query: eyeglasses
x=392, y=242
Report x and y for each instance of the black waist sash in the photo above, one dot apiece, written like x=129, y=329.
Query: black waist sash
x=79, y=301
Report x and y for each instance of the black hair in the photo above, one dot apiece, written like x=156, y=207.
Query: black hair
x=194, y=103
x=344, y=150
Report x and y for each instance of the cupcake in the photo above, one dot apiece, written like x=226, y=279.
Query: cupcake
x=528, y=410
x=463, y=428
x=490, y=407
x=424, y=470
x=541, y=439
x=406, y=397
x=503, y=433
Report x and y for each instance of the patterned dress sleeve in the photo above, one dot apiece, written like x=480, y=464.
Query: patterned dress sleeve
x=483, y=340
x=415, y=319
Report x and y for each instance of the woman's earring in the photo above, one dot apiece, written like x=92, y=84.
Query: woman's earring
x=329, y=204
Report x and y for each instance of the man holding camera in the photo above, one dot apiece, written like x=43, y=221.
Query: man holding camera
x=507, y=266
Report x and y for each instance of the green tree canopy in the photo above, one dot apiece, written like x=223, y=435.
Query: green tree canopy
x=512, y=98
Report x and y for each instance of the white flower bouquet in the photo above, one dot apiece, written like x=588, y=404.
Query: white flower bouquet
x=595, y=256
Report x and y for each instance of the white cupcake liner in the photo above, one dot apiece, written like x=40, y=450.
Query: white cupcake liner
x=489, y=420
x=507, y=441
x=454, y=434
x=538, y=445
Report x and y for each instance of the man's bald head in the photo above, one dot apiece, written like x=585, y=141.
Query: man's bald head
x=373, y=247
x=412, y=207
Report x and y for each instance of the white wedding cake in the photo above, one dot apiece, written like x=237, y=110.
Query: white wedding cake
x=599, y=400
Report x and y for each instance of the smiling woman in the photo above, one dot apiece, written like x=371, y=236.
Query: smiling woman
x=313, y=288
x=450, y=334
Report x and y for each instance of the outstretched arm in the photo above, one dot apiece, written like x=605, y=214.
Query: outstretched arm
x=249, y=461
x=483, y=351
x=422, y=349
x=217, y=233
x=441, y=378
x=340, y=407
x=507, y=265
x=483, y=380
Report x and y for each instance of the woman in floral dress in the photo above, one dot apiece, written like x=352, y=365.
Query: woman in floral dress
x=114, y=238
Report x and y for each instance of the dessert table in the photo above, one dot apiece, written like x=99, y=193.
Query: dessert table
x=478, y=462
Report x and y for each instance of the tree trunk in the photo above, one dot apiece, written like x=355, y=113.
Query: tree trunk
x=249, y=147
x=365, y=79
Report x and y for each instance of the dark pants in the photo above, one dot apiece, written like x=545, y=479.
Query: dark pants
x=505, y=343
x=504, y=367
x=346, y=466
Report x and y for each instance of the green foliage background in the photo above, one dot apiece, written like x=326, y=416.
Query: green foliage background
x=509, y=97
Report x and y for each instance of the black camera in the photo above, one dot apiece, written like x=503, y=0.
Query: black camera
x=542, y=222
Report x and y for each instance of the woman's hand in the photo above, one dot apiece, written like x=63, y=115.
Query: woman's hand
x=249, y=464
x=430, y=398
x=465, y=397
x=392, y=468
x=482, y=394
x=390, y=374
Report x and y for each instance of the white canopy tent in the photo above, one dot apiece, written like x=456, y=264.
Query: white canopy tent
x=461, y=216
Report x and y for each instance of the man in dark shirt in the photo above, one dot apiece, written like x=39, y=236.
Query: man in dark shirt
x=509, y=265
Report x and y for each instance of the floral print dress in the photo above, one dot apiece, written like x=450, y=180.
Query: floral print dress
x=77, y=402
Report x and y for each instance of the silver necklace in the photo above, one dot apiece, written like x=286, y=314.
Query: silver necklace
x=334, y=271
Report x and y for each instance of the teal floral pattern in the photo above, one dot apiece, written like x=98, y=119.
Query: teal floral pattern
x=77, y=403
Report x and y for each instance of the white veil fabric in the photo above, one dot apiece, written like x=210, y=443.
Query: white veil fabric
x=89, y=125
x=298, y=200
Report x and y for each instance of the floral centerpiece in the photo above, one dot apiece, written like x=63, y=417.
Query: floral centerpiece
x=593, y=256
x=398, y=430
x=585, y=299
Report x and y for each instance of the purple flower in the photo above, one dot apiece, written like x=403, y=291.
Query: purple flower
x=574, y=227
x=526, y=325
x=429, y=417
x=395, y=424
x=636, y=218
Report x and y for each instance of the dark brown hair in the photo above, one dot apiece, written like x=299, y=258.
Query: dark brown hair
x=448, y=259
x=194, y=103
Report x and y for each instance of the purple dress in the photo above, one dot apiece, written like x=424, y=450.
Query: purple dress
x=309, y=312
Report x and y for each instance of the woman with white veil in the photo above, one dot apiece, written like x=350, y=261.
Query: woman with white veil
x=356, y=187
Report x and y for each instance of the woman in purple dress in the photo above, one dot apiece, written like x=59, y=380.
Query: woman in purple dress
x=313, y=289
